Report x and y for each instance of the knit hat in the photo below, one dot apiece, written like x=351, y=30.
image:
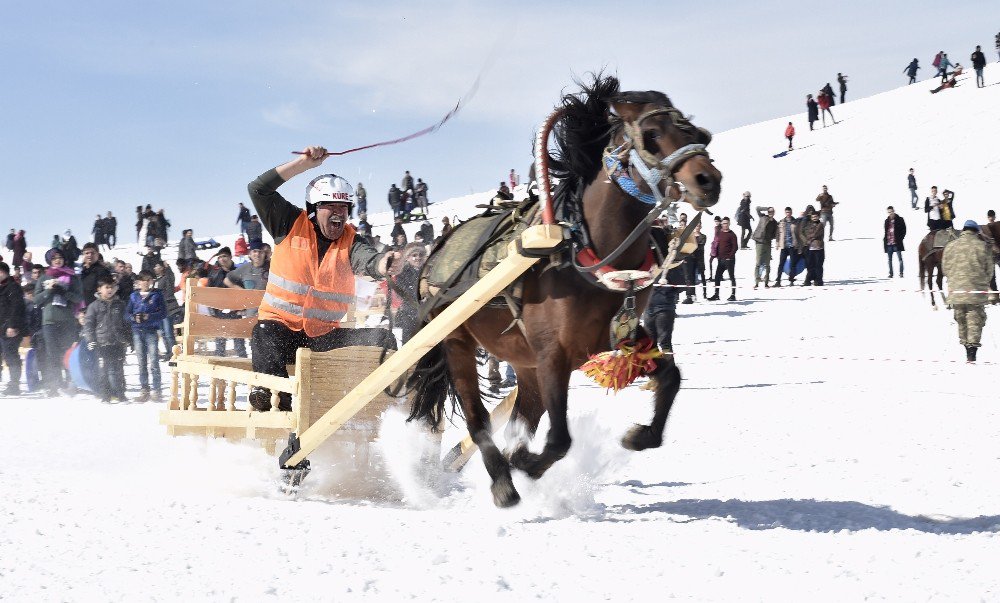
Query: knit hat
x=52, y=253
x=256, y=245
x=971, y=224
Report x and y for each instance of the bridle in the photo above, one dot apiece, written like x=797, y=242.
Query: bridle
x=651, y=170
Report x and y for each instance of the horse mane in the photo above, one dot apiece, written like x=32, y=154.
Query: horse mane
x=587, y=124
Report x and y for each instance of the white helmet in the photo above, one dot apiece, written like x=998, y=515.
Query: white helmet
x=329, y=188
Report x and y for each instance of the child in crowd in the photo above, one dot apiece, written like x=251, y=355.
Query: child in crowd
x=107, y=333
x=146, y=311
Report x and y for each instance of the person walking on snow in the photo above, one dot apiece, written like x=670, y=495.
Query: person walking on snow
x=812, y=110
x=766, y=231
x=743, y=218
x=361, y=196
x=842, y=80
x=911, y=70
x=911, y=182
x=812, y=238
x=892, y=241
x=727, y=246
x=944, y=65
x=828, y=90
x=968, y=263
x=979, y=63
x=790, y=134
x=243, y=219
x=826, y=205
x=786, y=239
x=825, y=101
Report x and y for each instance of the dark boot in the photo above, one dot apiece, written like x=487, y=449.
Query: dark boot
x=732, y=297
x=260, y=399
x=970, y=353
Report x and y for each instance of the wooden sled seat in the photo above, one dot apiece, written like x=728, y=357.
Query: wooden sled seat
x=316, y=382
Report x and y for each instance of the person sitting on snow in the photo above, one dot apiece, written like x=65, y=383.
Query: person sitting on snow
x=310, y=286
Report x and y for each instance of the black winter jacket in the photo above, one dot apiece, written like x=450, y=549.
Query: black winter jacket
x=89, y=276
x=105, y=323
x=899, y=231
x=12, y=311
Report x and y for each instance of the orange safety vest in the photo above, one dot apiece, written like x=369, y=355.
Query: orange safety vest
x=302, y=293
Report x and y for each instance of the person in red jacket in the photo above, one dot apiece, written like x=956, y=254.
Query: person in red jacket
x=790, y=134
x=824, y=107
x=727, y=246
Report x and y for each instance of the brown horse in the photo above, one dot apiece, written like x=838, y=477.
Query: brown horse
x=930, y=266
x=566, y=316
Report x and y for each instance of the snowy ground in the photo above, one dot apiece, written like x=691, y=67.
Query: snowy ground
x=827, y=444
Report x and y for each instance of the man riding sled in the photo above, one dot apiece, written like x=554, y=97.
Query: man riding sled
x=310, y=287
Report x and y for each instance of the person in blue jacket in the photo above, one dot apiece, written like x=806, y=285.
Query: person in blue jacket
x=146, y=311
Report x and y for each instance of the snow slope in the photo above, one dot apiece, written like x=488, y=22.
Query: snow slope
x=828, y=444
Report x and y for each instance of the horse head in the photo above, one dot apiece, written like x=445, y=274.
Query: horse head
x=655, y=141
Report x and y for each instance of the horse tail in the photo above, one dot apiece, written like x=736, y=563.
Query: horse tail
x=431, y=383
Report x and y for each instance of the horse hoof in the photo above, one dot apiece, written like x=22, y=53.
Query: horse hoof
x=504, y=493
x=528, y=462
x=641, y=437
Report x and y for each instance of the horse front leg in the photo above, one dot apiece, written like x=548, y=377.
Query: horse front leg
x=553, y=381
x=930, y=287
x=668, y=382
x=940, y=284
x=462, y=362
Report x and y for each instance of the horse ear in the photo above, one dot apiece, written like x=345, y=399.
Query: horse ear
x=704, y=136
x=627, y=111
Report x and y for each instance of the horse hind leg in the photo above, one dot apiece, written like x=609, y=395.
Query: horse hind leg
x=528, y=409
x=462, y=354
x=668, y=382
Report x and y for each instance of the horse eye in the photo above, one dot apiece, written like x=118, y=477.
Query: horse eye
x=649, y=137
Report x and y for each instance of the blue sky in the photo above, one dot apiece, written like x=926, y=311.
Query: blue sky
x=109, y=105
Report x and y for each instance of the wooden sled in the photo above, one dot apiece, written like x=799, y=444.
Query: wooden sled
x=203, y=390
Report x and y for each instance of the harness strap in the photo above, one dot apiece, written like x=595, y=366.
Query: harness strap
x=617, y=280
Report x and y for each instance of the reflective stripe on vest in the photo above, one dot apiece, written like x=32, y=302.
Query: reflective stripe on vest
x=326, y=316
x=304, y=293
x=303, y=289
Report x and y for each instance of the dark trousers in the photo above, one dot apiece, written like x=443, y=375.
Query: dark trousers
x=891, y=249
x=274, y=345
x=814, y=266
x=693, y=270
x=660, y=316
x=745, y=233
x=725, y=265
x=239, y=345
x=110, y=371
x=792, y=254
x=8, y=349
x=59, y=337
x=789, y=142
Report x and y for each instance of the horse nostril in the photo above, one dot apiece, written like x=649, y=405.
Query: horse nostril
x=706, y=182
